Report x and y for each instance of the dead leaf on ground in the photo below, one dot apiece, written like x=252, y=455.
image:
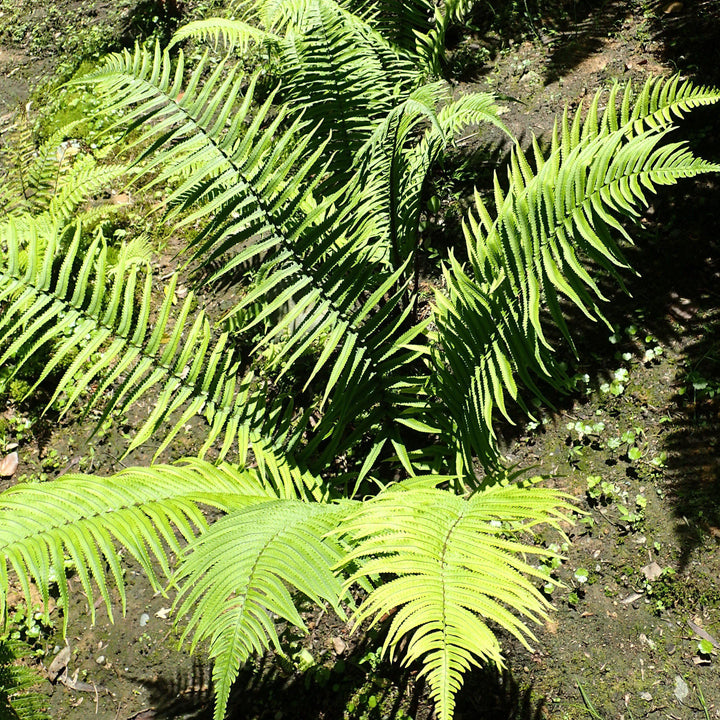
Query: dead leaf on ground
x=652, y=571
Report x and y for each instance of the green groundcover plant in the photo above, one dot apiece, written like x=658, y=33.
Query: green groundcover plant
x=345, y=424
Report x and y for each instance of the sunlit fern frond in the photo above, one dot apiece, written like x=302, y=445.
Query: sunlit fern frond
x=324, y=289
x=86, y=519
x=235, y=35
x=105, y=339
x=561, y=212
x=80, y=182
x=452, y=567
x=237, y=577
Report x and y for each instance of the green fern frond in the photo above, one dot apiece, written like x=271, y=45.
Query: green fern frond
x=17, y=681
x=531, y=249
x=236, y=35
x=322, y=283
x=97, y=320
x=85, y=518
x=455, y=565
x=233, y=580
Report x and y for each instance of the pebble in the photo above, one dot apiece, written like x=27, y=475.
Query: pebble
x=144, y=619
x=681, y=689
x=100, y=660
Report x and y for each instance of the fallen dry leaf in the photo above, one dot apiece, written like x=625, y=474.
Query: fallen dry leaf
x=9, y=465
x=59, y=663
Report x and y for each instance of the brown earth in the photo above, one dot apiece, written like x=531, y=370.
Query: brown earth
x=641, y=568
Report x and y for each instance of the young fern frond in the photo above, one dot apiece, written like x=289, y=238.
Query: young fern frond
x=533, y=250
x=455, y=565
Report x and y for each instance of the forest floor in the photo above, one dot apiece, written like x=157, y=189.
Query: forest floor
x=636, y=444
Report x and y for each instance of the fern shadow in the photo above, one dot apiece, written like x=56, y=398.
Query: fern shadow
x=688, y=39
x=490, y=694
x=352, y=685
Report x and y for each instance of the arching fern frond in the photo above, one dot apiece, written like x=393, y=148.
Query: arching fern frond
x=98, y=321
x=85, y=519
x=531, y=249
x=454, y=565
x=233, y=581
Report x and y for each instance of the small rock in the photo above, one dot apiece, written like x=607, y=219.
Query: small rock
x=9, y=465
x=646, y=696
x=100, y=659
x=681, y=689
x=671, y=649
x=144, y=619
x=339, y=645
x=631, y=598
x=652, y=571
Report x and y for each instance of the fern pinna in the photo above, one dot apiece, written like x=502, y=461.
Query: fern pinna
x=353, y=427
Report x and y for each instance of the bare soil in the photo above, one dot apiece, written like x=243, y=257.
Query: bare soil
x=641, y=568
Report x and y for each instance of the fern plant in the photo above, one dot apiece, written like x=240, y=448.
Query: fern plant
x=17, y=699
x=350, y=430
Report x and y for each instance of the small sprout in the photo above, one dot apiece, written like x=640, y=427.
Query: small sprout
x=660, y=461
x=631, y=330
x=634, y=453
x=626, y=356
x=581, y=575
x=614, y=443
x=548, y=588
x=705, y=647
x=628, y=437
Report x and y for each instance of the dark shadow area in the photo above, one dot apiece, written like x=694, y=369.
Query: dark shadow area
x=586, y=28
x=352, y=687
x=355, y=686
x=185, y=695
x=489, y=694
x=689, y=38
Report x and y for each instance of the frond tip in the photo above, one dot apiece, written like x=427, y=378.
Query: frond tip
x=458, y=567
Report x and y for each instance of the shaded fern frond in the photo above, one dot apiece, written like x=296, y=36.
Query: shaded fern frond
x=52, y=178
x=531, y=250
x=17, y=699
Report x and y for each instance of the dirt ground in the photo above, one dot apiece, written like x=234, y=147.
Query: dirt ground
x=636, y=629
